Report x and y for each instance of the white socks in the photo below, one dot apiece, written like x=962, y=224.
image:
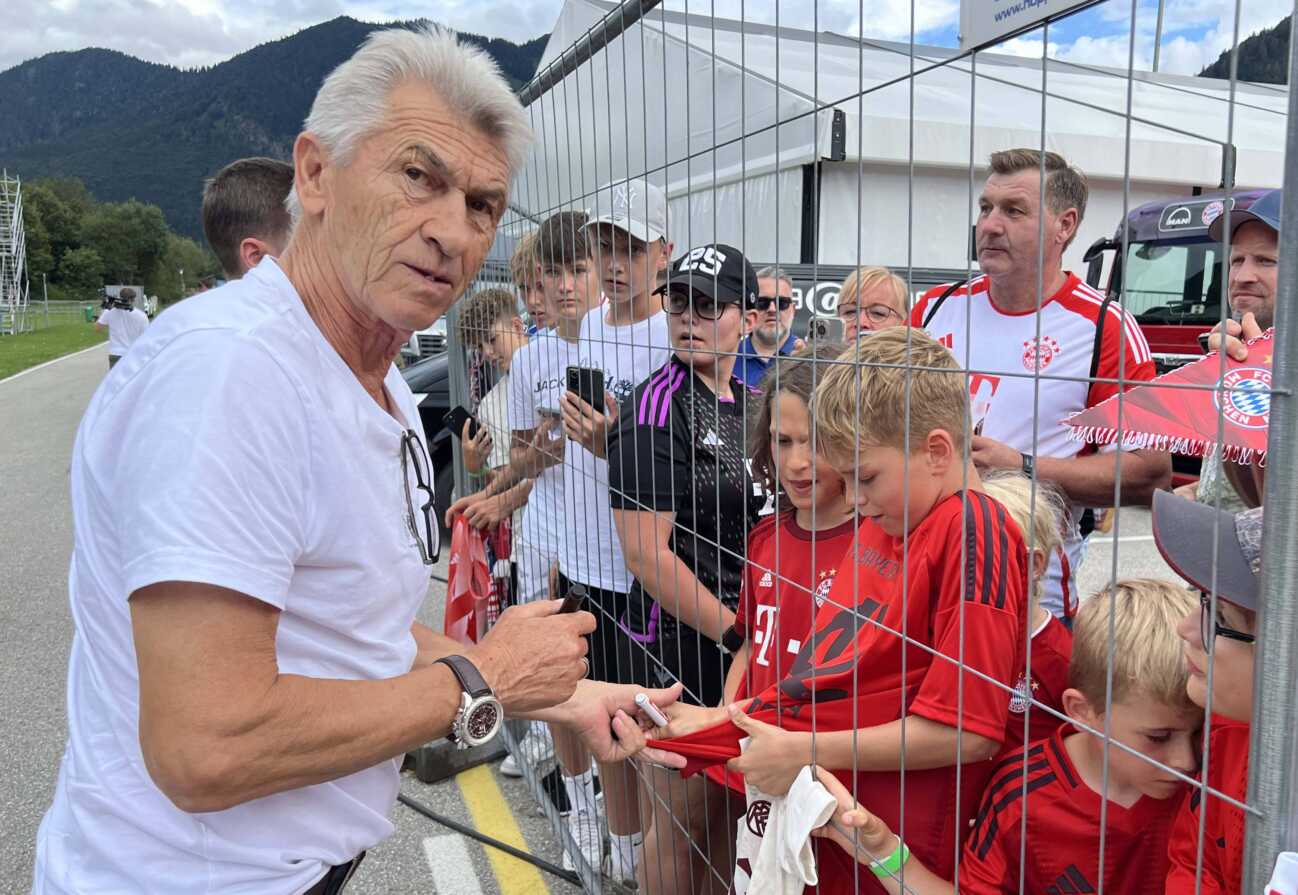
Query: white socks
x=581, y=791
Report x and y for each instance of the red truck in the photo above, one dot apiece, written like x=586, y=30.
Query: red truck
x=1172, y=276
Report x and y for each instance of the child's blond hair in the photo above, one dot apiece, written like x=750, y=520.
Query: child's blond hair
x=524, y=261
x=1039, y=515
x=890, y=378
x=1146, y=651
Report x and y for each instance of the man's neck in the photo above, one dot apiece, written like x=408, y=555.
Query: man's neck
x=761, y=348
x=366, y=345
x=641, y=307
x=1018, y=294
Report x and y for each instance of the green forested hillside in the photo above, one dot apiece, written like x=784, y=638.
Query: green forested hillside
x=1263, y=58
x=135, y=130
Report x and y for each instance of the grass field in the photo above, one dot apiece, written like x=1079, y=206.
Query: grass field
x=67, y=332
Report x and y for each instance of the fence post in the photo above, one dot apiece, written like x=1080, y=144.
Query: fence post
x=1273, y=757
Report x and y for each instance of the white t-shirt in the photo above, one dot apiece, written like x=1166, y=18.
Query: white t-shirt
x=493, y=412
x=538, y=379
x=245, y=454
x=1006, y=351
x=124, y=327
x=628, y=355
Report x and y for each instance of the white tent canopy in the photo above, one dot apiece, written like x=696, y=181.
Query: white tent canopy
x=674, y=95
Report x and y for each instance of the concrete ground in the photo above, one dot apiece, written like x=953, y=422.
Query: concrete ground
x=39, y=412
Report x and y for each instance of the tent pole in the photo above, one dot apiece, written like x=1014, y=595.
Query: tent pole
x=607, y=29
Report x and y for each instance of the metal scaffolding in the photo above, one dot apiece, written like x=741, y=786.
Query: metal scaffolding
x=13, y=258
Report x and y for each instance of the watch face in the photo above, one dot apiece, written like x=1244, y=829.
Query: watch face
x=483, y=721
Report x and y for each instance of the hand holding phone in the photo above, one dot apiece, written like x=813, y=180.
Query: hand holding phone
x=455, y=418
x=588, y=384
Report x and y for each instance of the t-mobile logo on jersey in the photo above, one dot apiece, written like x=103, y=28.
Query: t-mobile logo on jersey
x=764, y=634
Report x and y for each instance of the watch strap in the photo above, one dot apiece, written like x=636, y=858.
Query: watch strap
x=1029, y=464
x=471, y=680
x=732, y=640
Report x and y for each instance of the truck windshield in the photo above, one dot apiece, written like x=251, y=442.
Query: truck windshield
x=1173, y=282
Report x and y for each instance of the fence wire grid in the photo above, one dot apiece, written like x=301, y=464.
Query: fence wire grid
x=823, y=157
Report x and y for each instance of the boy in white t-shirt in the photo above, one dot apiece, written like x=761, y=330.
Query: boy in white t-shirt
x=490, y=324
x=626, y=340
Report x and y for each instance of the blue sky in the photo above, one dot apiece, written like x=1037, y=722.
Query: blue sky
x=202, y=32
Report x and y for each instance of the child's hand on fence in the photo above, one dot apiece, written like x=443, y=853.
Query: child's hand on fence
x=773, y=757
x=852, y=828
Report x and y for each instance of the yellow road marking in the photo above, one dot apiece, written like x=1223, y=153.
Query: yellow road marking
x=493, y=816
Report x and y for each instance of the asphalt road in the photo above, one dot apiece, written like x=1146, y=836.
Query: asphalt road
x=39, y=413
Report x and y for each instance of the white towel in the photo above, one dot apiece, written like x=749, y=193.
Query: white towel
x=773, y=840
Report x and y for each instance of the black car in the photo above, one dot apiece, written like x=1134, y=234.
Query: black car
x=430, y=381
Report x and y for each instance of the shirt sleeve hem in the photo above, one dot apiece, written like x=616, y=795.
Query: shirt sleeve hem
x=204, y=567
x=941, y=714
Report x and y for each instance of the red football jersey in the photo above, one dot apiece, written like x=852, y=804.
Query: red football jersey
x=1223, y=829
x=964, y=573
x=1052, y=648
x=1062, y=848
x=789, y=572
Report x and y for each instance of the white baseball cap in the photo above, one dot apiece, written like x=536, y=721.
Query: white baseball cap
x=633, y=206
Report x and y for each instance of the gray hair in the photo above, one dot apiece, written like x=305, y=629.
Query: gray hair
x=775, y=273
x=352, y=102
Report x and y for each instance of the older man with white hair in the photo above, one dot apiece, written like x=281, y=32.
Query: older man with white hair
x=247, y=671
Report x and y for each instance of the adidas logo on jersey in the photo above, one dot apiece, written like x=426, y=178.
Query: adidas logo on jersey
x=766, y=580
x=711, y=440
x=1071, y=882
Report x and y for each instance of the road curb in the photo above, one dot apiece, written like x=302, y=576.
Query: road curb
x=50, y=363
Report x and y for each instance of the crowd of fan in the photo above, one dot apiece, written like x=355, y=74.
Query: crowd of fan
x=861, y=558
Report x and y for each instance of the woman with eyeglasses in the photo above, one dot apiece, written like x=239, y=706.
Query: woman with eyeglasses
x=682, y=496
x=871, y=299
x=1220, y=637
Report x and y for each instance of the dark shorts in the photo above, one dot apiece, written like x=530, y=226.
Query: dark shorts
x=615, y=657
x=697, y=662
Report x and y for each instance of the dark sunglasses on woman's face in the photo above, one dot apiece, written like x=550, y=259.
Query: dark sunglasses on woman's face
x=702, y=306
x=764, y=302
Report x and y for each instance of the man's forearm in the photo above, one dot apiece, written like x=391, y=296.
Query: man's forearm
x=678, y=591
x=302, y=731
x=1089, y=480
x=928, y=744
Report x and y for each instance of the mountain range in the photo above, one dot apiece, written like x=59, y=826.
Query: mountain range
x=135, y=129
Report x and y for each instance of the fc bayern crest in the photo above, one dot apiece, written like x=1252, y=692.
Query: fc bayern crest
x=822, y=590
x=1038, y=353
x=1248, y=404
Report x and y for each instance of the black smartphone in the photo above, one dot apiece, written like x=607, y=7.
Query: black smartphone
x=1203, y=341
x=588, y=384
x=825, y=329
x=455, y=418
x=575, y=599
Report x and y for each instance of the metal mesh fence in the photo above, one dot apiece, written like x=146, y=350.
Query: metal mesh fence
x=764, y=479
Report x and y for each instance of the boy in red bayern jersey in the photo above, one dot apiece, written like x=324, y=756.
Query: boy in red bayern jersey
x=1060, y=785
x=1221, y=633
x=793, y=556
x=937, y=578
x=1039, y=511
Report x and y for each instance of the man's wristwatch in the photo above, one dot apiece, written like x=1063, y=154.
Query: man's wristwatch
x=1029, y=464
x=480, y=714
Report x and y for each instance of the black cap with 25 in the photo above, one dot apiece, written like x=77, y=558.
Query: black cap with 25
x=719, y=271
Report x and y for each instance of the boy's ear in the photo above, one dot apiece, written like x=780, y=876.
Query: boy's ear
x=1079, y=708
x=1040, y=564
x=941, y=451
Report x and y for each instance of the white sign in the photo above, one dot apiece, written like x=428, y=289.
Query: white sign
x=985, y=22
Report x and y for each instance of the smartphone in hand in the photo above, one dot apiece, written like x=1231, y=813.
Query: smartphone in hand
x=455, y=418
x=588, y=384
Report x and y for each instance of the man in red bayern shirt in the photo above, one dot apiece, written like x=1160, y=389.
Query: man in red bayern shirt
x=1010, y=336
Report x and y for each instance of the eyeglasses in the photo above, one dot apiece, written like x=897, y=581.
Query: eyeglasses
x=414, y=456
x=764, y=302
x=678, y=301
x=876, y=314
x=1210, y=627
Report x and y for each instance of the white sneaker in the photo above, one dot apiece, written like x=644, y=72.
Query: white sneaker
x=536, y=751
x=583, y=827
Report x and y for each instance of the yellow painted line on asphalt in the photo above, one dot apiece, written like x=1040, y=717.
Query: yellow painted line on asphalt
x=492, y=815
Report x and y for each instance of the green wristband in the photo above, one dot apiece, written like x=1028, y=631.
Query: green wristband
x=891, y=865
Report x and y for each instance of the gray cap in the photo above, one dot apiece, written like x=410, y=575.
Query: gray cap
x=1184, y=531
x=634, y=206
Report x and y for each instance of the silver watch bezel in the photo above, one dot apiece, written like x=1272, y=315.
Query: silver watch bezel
x=469, y=705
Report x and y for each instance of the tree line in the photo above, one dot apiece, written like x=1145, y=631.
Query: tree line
x=76, y=244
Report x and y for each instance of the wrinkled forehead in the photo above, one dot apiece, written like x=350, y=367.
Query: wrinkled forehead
x=418, y=123
x=1023, y=187
x=769, y=286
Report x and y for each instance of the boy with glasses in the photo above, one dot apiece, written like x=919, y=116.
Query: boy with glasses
x=769, y=323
